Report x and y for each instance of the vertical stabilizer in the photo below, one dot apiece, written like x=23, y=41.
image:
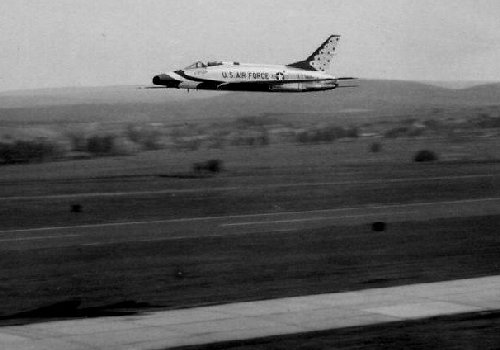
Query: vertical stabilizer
x=322, y=57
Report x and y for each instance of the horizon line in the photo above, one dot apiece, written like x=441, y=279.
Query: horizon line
x=469, y=83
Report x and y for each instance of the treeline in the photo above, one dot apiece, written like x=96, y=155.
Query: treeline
x=326, y=134
x=79, y=144
x=29, y=151
x=132, y=139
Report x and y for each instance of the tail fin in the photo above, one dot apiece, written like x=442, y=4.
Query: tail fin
x=322, y=57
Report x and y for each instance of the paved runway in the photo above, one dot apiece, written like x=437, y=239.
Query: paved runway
x=258, y=319
x=169, y=229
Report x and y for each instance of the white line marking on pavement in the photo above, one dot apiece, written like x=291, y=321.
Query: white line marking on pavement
x=317, y=218
x=243, y=216
x=234, y=188
x=36, y=238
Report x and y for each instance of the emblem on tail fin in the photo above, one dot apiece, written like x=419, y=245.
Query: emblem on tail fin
x=322, y=57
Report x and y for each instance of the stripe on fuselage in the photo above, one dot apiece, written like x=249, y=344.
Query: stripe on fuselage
x=188, y=77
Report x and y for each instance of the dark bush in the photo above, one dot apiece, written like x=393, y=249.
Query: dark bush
x=326, y=134
x=214, y=165
x=378, y=226
x=396, y=132
x=264, y=139
x=425, y=156
x=100, y=145
x=76, y=208
x=210, y=166
x=28, y=151
x=413, y=132
x=78, y=141
x=148, y=137
x=375, y=147
x=352, y=132
x=484, y=120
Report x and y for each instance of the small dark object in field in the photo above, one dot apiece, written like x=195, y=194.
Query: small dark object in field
x=375, y=147
x=211, y=166
x=179, y=274
x=425, y=156
x=76, y=208
x=378, y=226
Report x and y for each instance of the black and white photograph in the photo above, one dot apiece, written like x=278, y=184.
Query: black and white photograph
x=249, y=174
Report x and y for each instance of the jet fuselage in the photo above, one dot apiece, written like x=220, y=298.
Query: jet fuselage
x=247, y=77
x=307, y=75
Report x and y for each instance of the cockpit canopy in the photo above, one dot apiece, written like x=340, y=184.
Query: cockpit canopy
x=199, y=64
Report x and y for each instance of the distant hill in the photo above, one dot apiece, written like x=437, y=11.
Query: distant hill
x=95, y=95
x=127, y=103
x=458, y=84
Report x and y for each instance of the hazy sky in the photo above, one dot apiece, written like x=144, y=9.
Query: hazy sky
x=110, y=42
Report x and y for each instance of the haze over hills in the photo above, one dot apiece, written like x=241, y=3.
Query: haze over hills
x=95, y=95
x=127, y=103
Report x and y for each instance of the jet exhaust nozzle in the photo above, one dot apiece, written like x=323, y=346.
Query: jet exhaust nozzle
x=157, y=80
x=165, y=80
x=162, y=79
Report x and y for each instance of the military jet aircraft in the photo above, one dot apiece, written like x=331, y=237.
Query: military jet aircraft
x=307, y=75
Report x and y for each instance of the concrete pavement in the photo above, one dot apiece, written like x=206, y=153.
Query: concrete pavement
x=258, y=319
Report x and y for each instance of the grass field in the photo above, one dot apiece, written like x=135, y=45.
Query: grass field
x=91, y=280
x=203, y=271
x=159, y=141
x=285, y=174
x=250, y=181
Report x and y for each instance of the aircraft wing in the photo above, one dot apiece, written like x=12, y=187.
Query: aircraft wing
x=152, y=87
x=246, y=86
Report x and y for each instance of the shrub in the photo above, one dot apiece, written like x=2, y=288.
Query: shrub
x=484, y=120
x=352, y=132
x=123, y=146
x=376, y=147
x=29, y=151
x=148, y=137
x=396, y=132
x=425, y=156
x=378, y=226
x=100, y=144
x=264, y=139
x=77, y=140
x=210, y=166
x=326, y=134
x=214, y=165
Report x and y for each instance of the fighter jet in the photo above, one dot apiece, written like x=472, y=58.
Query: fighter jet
x=307, y=75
